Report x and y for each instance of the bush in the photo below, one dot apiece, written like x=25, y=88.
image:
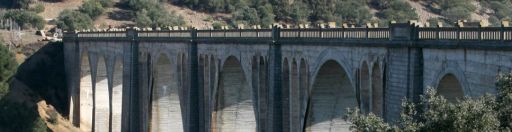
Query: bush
x=457, y=13
x=53, y=115
x=107, y=3
x=73, y=20
x=399, y=11
x=38, y=8
x=92, y=8
x=26, y=19
x=434, y=113
x=353, y=12
x=300, y=12
x=7, y=68
x=157, y=17
x=247, y=16
x=15, y=117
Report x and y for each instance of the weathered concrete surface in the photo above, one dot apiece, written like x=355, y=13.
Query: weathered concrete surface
x=331, y=94
x=237, y=83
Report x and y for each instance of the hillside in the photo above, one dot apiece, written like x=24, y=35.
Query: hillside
x=251, y=12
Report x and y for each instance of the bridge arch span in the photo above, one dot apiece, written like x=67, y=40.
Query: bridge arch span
x=166, y=105
x=332, y=92
x=451, y=79
x=234, y=110
x=330, y=55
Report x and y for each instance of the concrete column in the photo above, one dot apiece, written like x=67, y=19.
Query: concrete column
x=275, y=95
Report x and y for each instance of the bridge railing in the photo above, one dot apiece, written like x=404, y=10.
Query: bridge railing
x=98, y=34
x=165, y=34
x=466, y=33
x=403, y=31
x=337, y=33
x=235, y=33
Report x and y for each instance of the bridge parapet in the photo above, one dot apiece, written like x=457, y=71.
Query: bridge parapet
x=396, y=33
x=466, y=33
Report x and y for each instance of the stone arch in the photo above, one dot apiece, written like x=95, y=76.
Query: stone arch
x=234, y=109
x=365, y=88
x=453, y=69
x=450, y=87
x=165, y=105
x=86, y=92
x=377, y=91
x=285, y=92
x=331, y=94
x=117, y=94
x=101, y=97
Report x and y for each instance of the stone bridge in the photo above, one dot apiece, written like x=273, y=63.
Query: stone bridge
x=271, y=80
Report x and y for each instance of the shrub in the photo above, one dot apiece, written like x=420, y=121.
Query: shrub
x=300, y=12
x=92, y=8
x=26, y=19
x=73, y=20
x=354, y=12
x=217, y=25
x=157, y=17
x=53, y=115
x=16, y=117
x=7, y=68
x=38, y=8
x=247, y=16
x=266, y=14
x=434, y=113
x=399, y=11
x=107, y=3
x=457, y=13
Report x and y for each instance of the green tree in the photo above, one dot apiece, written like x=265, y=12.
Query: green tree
x=7, y=68
x=399, y=11
x=38, y=8
x=266, y=14
x=353, y=12
x=26, y=19
x=142, y=19
x=300, y=12
x=93, y=8
x=457, y=13
x=247, y=16
x=73, y=20
x=486, y=113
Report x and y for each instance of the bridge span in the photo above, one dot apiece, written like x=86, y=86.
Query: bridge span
x=271, y=80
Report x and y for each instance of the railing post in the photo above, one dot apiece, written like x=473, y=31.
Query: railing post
x=502, y=33
x=458, y=32
x=479, y=32
x=367, y=32
x=320, y=33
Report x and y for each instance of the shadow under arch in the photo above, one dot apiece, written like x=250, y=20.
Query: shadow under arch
x=331, y=94
x=234, y=110
x=365, y=88
x=165, y=108
x=450, y=88
x=377, y=90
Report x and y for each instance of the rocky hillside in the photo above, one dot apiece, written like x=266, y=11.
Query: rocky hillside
x=208, y=13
